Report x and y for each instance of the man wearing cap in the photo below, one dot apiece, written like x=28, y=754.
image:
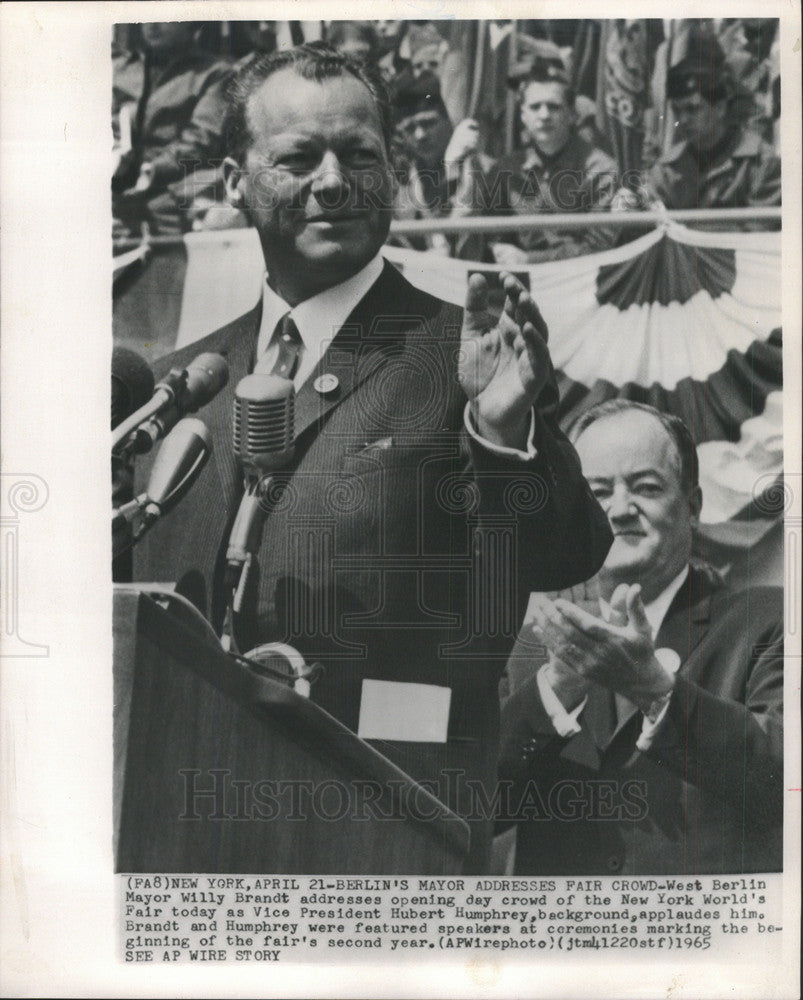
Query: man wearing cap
x=427, y=48
x=557, y=171
x=438, y=164
x=717, y=162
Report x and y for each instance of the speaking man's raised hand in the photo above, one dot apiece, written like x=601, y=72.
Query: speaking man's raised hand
x=504, y=363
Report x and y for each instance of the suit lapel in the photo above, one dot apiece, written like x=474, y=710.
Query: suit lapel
x=188, y=541
x=239, y=350
x=358, y=351
x=688, y=617
x=624, y=712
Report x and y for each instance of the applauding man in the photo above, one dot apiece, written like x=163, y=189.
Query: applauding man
x=643, y=729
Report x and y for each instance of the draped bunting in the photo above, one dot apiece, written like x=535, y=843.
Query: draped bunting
x=687, y=321
x=667, y=272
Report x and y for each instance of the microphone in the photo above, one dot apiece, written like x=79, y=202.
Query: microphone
x=131, y=387
x=184, y=453
x=132, y=384
x=181, y=458
x=264, y=411
x=264, y=441
x=180, y=392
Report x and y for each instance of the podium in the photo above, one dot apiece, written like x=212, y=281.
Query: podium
x=219, y=769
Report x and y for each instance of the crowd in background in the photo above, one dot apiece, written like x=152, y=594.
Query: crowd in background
x=491, y=118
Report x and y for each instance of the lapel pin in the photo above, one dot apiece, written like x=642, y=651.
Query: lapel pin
x=326, y=384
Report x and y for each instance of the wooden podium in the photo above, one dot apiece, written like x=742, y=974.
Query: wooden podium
x=218, y=769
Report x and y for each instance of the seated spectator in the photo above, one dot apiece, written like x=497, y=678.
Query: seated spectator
x=390, y=36
x=427, y=49
x=430, y=53
x=436, y=163
x=209, y=208
x=642, y=721
x=718, y=162
x=557, y=171
x=250, y=38
x=751, y=48
x=168, y=109
x=357, y=39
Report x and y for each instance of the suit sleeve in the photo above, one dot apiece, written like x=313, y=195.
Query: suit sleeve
x=731, y=747
x=562, y=535
x=529, y=738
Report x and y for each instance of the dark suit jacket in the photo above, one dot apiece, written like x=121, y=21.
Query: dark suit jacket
x=395, y=549
x=707, y=796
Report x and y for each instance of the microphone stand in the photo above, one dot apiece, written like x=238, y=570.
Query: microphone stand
x=180, y=461
x=263, y=440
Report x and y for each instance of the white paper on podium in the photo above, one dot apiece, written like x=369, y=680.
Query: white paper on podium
x=394, y=710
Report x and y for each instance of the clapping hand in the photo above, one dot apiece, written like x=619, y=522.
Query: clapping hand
x=619, y=654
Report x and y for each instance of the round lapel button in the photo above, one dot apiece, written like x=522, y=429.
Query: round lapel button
x=326, y=384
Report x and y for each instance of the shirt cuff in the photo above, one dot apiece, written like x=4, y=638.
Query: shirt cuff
x=652, y=722
x=565, y=723
x=499, y=449
x=656, y=713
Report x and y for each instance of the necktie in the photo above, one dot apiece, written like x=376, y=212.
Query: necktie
x=289, y=345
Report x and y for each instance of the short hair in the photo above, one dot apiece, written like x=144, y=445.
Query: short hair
x=545, y=71
x=674, y=427
x=315, y=61
x=423, y=36
x=364, y=30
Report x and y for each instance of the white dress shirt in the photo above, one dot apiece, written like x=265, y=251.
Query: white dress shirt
x=320, y=317
x=567, y=723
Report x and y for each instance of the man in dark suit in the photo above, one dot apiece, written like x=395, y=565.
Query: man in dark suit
x=430, y=479
x=642, y=727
